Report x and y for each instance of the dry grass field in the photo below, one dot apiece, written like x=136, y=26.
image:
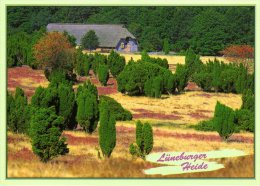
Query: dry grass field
x=169, y=117
x=83, y=161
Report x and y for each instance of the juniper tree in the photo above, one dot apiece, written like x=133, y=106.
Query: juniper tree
x=103, y=74
x=17, y=108
x=224, y=121
x=67, y=105
x=107, y=130
x=116, y=63
x=45, y=132
x=144, y=140
x=87, y=112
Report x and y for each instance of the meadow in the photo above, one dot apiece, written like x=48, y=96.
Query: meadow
x=170, y=117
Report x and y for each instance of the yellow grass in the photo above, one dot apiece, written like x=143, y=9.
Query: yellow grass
x=83, y=161
x=180, y=105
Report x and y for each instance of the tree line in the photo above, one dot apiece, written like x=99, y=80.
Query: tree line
x=207, y=30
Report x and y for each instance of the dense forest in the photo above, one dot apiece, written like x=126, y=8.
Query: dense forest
x=207, y=30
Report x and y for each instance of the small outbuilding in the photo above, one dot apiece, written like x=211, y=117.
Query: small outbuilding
x=110, y=36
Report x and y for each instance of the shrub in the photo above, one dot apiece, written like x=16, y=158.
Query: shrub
x=192, y=62
x=248, y=100
x=132, y=79
x=153, y=87
x=224, y=118
x=82, y=63
x=67, y=105
x=144, y=140
x=87, y=113
x=116, y=63
x=222, y=77
x=182, y=77
x=98, y=59
x=204, y=126
x=107, y=130
x=245, y=120
x=158, y=61
x=116, y=109
x=45, y=132
x=16, y=112
x=103, y=74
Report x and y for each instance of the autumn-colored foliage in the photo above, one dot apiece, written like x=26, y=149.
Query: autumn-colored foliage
x=239, y=53
x=52, y=50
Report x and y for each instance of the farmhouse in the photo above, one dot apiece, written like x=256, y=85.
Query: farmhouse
x=110, y=36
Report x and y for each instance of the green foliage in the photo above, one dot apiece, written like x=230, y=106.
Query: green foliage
x=116, y=63
x=147, y=138
x=182, y=77
x=207, y=125
x=245, y=120
x=107, y=130
x=45, y=132
x=144, y=140
x=98, y=59
x=87, y=113
x=82, y=63
x=248, y=99
x=67, y=105
x=70, y=38
x=16, y=112
x=221, y=77
x=192, y=62
x=224, y=118
x=132, y=79
x=90, y=40
x=161, y=62
x=166, y=46
x=153, y=87
x=116, y=109
x=139, y=134
x=103, y=74
x=184, y=27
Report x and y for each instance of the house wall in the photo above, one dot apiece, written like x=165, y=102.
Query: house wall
x=129, y=46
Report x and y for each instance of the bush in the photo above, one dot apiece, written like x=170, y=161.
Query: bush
x=45, y=132
x=204, y=126
x=224, y=118
x=153, y=87
x=103, y=74
x=182, y=77
x=132, y=79
x=16, y=112
x=144, y=140
x=98, y=59
x=248, y=99
x=82, y=63
x=116, y=109
x=67, y=105
x=116, y=63
x=222, y=77
x=87, y=113
x=158, y=61
x=245, y=120
x=107, y=130
x=192, y=62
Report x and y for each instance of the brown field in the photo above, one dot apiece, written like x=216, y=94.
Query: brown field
x=169, y=117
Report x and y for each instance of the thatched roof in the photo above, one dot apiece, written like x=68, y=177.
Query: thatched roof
x=108, y=34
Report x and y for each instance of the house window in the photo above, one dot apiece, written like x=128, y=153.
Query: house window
x=122, y=45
